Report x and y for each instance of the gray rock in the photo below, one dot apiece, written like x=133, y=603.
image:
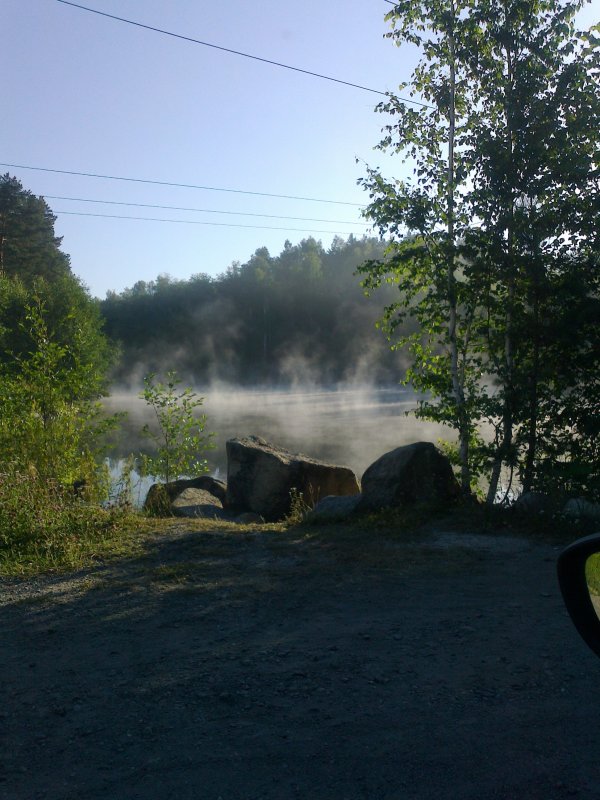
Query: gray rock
x=414, y=474
x=333, y=508
x=206, y=482
x=261, y=476
x=197, y=503
x=580, y=508
x=534, y=503
x=161, y=496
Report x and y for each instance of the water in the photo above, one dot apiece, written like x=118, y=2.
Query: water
x=347, y=426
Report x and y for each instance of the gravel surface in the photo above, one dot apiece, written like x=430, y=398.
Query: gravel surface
x=303, y=665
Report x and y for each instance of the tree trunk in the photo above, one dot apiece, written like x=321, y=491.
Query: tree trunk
x=505, y=447
x=457, y=385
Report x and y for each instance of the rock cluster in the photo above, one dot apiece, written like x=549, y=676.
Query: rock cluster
x=262, y=480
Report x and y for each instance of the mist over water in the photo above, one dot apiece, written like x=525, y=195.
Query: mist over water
x=347, y=426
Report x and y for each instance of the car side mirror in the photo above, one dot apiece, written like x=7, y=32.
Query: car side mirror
x=579, y=579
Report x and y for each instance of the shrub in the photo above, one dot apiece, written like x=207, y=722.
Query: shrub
x=178, y=435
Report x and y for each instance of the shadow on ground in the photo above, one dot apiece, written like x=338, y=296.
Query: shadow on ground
x=297, y=665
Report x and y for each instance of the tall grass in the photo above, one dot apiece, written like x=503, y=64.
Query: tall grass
x=45, y=526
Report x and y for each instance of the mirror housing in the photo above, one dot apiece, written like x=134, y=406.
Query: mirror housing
x=574, y=588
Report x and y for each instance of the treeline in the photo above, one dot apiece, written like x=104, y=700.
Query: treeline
x=44, y=306
x=295, y=318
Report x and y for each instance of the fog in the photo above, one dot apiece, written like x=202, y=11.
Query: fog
x=351, y=426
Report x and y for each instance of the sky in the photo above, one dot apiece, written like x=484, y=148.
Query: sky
x=93, y=95
x=90, y=94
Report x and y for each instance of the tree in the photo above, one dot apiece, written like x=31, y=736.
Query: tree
x=533, y=166
x=35, y=271
x=54, y=356
x=429, y=267
x=257, y=323
x=49, y=425
x=28, y=245
x=499, y=215
x=73, y=322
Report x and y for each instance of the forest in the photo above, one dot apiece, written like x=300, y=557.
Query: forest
x=295, y=319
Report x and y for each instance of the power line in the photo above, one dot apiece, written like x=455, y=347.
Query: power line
x=181, y=185
x=204, y=210
x=195, y=222
x=235, y=52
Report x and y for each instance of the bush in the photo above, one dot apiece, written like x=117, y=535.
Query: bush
x=178, y=435
x=48, y=423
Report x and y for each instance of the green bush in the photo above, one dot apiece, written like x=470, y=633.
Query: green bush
x=48, y=423
x=178, y=434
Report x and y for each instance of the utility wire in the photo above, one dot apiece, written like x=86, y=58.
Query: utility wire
x=235, y=52
x=195, y=222
x=204, y=210
x=180, y=185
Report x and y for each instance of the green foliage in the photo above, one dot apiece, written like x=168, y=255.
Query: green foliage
x=54, y=356
x=479, y=460
x=48, y=425
x=28, y=247
x=45, y=526
x=495, y=243
x=122, y=489
x=592, y=574
x=72, y=322
x=178, y=435
x=53, y=363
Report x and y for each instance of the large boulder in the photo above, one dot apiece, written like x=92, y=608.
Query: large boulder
x=261, y=477
x=160, y=497
x=417, y=473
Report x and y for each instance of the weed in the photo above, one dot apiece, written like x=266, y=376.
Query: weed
x=299, y=507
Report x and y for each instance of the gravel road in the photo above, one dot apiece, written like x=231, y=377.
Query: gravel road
x=275, y=666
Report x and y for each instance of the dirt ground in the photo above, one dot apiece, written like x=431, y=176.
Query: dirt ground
x=325, y=665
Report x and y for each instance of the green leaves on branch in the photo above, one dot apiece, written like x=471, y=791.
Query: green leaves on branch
x=50, y=424
x=495, y=239
x=178, y=433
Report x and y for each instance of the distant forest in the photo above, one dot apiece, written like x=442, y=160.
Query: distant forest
x=294, y=319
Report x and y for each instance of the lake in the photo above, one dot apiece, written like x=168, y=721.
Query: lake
x=347, y=426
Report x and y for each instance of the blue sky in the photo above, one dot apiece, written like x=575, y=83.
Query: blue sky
x=89, y=94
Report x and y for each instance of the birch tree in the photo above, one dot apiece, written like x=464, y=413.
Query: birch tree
x=504, y=204
x=426, y=218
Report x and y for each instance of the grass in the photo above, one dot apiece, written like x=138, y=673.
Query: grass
x=45, y=527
